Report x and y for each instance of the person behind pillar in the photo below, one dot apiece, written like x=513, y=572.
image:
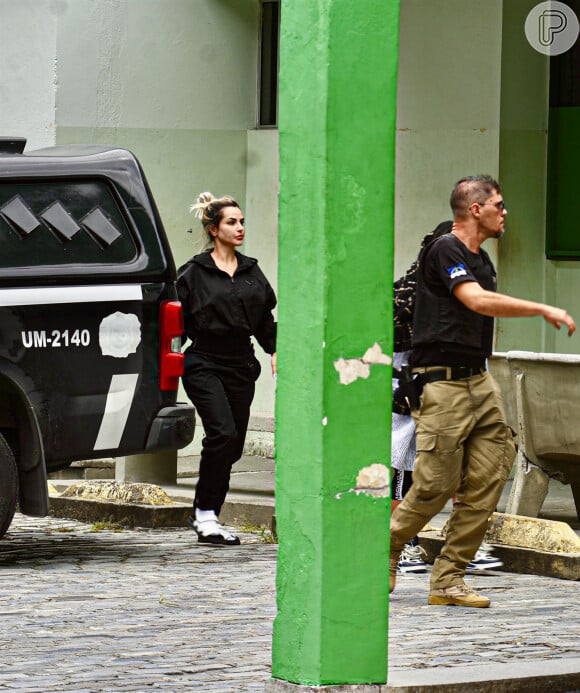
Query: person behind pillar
x=226, y=299
x=464, y=445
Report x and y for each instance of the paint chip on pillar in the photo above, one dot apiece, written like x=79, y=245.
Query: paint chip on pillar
x=350, y=370
x=374, y=480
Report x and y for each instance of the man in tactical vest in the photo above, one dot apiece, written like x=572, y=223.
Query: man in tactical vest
x=464, y=446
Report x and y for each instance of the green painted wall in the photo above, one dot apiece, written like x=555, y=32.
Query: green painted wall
x=337, y=120
x=176, y=81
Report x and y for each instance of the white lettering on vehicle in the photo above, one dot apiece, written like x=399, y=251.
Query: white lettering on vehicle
x=41, y=339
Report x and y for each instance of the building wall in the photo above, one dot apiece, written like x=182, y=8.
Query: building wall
x=473, y=98
x=523, y=268
x=262, y=237
x=28, y=70
x=175, y=81
x=448, y=112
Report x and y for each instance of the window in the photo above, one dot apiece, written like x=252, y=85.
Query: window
x=268, y=71
x=47, y=225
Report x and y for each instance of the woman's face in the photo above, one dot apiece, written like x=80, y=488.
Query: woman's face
x=230, y=230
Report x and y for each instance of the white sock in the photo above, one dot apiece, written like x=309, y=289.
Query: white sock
x=207, y=523
x=205, y=515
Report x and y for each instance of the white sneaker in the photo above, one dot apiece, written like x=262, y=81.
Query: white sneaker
x=411, y=560
x=483, y=560
x=209, y=530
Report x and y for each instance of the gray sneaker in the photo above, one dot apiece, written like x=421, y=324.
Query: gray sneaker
x=458, y=595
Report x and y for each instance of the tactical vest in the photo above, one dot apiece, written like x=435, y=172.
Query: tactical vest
x=441, y=319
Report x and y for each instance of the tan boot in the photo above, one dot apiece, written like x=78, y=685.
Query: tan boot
x=458, y=595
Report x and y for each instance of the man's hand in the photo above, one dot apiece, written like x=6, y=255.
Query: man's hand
x=556, y=316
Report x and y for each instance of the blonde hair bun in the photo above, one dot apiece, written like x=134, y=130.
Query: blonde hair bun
x=203, y=200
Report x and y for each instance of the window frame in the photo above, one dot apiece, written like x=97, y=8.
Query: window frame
x=268, y=64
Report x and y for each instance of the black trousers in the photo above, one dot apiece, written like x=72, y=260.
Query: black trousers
x=221, y=393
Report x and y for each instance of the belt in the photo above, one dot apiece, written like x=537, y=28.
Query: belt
x=433, y=374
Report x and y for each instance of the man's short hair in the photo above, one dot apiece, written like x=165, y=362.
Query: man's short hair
x=469, y=190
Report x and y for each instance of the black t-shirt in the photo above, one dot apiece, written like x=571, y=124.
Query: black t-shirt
x=446, y=264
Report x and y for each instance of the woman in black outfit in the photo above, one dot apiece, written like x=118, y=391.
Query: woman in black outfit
x=226, y=299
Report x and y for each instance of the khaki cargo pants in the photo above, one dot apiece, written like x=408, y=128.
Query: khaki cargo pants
x=466, y=449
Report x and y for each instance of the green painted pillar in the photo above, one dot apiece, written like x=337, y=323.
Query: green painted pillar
x=337, y=100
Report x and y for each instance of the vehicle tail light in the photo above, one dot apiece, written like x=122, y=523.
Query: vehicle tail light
x=171, y=360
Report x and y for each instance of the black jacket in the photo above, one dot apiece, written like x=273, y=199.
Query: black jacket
x=221, y=312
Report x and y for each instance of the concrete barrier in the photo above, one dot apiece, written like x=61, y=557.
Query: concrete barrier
x=542, y=400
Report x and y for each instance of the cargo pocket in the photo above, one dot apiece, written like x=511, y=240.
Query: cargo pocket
x=438, y=463
x=426, y=442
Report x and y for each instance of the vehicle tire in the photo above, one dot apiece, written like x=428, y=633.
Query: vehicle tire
x=8, y=486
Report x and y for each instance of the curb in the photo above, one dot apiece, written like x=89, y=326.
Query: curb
x=118, y=512
x=517, y=559
x=234, y=513
x=564, y=677
x=531, y=677
x=259, y=512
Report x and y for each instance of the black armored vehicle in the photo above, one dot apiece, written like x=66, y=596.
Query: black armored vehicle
x=90, y=325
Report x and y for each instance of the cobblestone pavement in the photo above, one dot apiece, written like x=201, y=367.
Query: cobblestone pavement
x=138, y=610
x=531, y=619
x=148, y=610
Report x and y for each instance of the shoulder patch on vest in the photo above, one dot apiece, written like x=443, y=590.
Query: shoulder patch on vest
x=456, y=271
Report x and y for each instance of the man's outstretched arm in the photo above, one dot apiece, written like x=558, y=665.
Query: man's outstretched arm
x=495, y=305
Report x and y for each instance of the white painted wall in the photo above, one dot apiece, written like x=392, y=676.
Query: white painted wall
x=448, y=111
x=28, y=79
x=163, y=64
x=262, y=236
x=175, y=81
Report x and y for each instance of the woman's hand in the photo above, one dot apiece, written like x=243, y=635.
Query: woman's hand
x=274, y=370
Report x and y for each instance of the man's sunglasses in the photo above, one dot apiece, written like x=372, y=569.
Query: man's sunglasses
x=498, y=205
